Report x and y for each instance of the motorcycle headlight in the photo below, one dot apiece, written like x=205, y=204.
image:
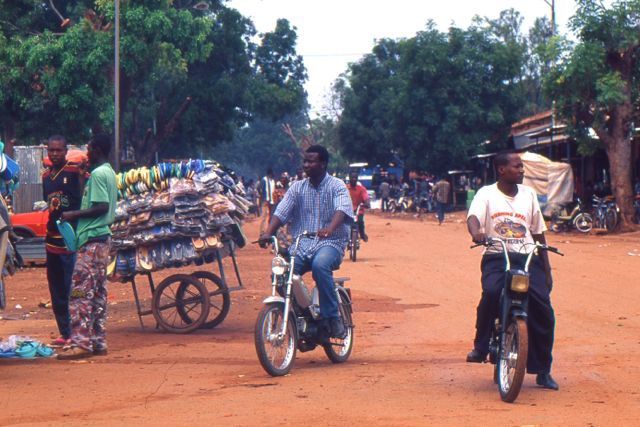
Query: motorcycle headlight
x=520, y=282
x=278, y=266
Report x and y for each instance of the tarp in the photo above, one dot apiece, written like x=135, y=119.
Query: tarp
x=552, y=181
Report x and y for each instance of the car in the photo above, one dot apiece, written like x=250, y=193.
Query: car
x=30, y=224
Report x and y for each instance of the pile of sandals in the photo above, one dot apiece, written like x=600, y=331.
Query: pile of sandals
x=175, y=214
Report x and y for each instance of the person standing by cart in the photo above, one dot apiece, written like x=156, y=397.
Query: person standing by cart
x=62, y=185
x=88, y=299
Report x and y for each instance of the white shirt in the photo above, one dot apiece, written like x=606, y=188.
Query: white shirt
x=512, y=219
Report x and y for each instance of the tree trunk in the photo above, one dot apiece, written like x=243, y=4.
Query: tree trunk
x=618, y=145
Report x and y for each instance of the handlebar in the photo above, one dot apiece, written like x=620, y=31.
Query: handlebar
x=491, y=241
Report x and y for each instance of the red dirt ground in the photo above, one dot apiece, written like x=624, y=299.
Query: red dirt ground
x=415, y=288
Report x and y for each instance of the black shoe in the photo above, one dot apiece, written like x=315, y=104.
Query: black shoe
x=365, y=238
x=476, y=356
x=337, y=328
x=546, y=381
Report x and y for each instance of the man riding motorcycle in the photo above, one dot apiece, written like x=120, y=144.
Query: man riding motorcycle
x=319, y=203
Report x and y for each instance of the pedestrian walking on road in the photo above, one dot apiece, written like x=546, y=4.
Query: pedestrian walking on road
x=88, y=299
x=441, y=192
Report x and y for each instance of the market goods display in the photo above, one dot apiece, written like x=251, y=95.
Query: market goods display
x=175, y=214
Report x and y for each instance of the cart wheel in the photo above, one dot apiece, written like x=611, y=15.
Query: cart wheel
x=219, y=298
x=180, y=304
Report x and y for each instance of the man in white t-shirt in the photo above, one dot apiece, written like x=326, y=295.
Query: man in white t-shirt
x=510, y=211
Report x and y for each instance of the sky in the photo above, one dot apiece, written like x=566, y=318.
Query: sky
x=333, y=33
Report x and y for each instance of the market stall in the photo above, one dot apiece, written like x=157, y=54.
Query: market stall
x=177, y=215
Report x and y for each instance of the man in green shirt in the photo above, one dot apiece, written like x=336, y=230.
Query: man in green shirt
x=88, y=299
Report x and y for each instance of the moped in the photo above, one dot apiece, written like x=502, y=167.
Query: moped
x=290, y=319
x=508, y=346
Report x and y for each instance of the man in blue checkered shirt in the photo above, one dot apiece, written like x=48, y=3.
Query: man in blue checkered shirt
x=320, y=203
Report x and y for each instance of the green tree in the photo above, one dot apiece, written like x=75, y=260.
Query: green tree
x=434, y=98
x=595, y=85
x=190, y=77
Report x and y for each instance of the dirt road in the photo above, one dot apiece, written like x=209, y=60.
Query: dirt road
x=415, y=286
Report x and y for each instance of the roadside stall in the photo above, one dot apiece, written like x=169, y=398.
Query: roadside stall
x=552, y=181
x=177, y=215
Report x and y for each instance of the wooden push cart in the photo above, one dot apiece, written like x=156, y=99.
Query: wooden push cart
x=182, y=303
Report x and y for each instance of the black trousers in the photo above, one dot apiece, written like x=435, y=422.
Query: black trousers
x=541, y=318
x=59, y=272
x=360, y=222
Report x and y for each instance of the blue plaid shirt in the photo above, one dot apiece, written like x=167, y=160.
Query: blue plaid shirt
x=309, y=208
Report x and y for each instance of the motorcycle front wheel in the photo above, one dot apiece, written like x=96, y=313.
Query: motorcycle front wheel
x=276, y=354
x=339, y=350
x=512, y=360
x=353, y=247
x=583, y=222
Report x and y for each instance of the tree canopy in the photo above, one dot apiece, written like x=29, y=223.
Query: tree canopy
x=189, y=76
x=433, y=99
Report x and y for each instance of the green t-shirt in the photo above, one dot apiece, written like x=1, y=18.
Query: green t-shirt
x=100, y=188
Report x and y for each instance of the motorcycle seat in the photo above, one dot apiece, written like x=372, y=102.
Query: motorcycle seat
x=341, y=280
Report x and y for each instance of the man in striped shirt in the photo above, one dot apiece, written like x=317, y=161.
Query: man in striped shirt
x=62, y=185
x=319, y=203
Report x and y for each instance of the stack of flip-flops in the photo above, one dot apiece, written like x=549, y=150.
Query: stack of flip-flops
x=24, y=347
x=174, y=214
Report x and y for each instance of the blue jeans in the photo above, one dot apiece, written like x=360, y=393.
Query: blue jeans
x=321, y=264
x=59, y=271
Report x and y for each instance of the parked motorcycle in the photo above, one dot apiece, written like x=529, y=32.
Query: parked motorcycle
x=578, y=218
x=290, y=319
x=606, y=213
x=508, y=346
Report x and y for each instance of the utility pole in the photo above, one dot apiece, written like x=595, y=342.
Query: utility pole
x=552, y=5
x=116, y=84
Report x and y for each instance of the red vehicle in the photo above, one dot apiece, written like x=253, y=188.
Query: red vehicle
x=30, y=224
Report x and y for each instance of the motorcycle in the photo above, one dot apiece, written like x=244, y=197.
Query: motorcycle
x=562, y=220
x=290, y=319
x=404, y=203
x=354, y=237
x=508, y=346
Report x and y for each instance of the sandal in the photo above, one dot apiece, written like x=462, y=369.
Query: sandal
x=27, y=350
x=44, y=351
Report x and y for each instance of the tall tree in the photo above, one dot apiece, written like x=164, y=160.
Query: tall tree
x=595, y=85
x=434, y=98
x=190, y=77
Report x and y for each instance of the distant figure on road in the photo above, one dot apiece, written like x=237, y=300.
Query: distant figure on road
x=441, y=192
x=385, y=193
x=359, y=196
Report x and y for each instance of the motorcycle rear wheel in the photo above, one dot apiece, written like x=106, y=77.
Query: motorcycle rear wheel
x=583, y=222
x=512, y=360
x=339, y=350
x=276, y=356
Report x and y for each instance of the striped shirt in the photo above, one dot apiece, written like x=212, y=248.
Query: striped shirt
x=309, y=208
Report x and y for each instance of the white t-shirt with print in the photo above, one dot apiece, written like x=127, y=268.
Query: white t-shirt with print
x=512, y=219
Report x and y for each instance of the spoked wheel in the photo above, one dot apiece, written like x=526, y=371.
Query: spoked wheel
x=276, y=353
x=339, y=350
x=180, y=304
x=353, y=247
x=512, y=361
x=219, y=299
x=583, y=222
